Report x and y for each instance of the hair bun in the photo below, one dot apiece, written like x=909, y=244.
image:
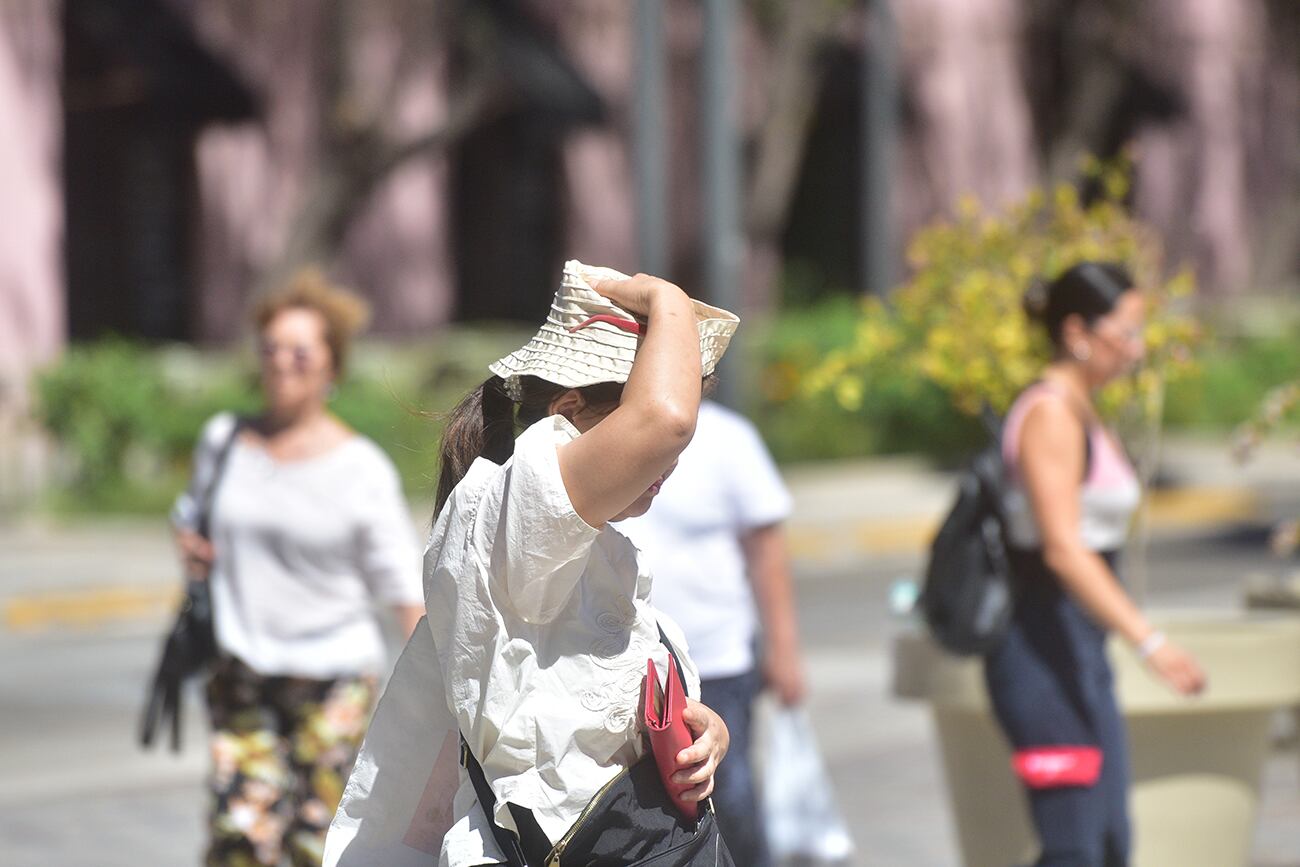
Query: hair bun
x=1035, y=299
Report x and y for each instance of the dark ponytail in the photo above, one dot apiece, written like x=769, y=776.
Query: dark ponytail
x=1089, y=290
x=484, y=423
x=481, y=425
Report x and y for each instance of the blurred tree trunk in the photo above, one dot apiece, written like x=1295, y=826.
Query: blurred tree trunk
x=356, y=162
x=346, y=166
x=32, y=326
x=1197, y=85
x=970, y=114
x=1081, y=72
x=358, y=148
x=1273, y=158
x=31, y=218
x=599, y=187
x=1193, y=173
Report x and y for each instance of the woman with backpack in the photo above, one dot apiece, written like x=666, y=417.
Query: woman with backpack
x=513, y=729
x=1070, y=494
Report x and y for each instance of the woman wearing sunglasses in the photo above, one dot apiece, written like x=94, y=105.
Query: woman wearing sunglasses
x=308, y=532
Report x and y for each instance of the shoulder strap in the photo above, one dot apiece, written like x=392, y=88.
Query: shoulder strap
x=663, y=637
x=531, y=847
x=218, y=470
x=1087, y=452
x=992, y=422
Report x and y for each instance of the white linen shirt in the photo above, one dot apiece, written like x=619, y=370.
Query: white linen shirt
x=304, y=550
x=541, y=627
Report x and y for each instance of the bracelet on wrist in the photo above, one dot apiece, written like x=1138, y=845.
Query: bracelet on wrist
x=1149, y=645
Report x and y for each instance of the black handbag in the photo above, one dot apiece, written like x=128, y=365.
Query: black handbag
x=192, y=643
x=631, y=822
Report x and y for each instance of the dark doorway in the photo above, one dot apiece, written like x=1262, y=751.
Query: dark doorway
x=507, y=179
x=820, y=244
x=507, y=219
x=137, y=88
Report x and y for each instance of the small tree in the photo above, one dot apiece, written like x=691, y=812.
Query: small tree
x=958, y=322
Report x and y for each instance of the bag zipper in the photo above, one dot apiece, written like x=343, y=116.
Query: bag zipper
x=553, y=859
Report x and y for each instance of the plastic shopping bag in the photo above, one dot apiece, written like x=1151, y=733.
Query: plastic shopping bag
x=803, y=821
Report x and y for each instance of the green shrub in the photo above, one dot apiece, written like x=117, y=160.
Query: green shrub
x=957, y=322
x=900, y=411
x=1231, y=379
x=105, y=404
x=125, y=417
x=897, y=413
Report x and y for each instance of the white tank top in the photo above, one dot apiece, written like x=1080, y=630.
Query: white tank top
x=1108, y=496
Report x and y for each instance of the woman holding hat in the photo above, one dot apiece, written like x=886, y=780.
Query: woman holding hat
x=511, y=719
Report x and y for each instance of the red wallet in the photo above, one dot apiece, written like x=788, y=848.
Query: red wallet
x=669, y=734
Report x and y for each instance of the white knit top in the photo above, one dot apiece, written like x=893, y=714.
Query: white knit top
x=304, y=550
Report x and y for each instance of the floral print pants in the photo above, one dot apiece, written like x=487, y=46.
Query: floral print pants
x=282, y=749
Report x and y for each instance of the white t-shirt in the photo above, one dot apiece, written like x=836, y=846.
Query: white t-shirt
x=725, y=485
x=304, y=549
x=539, y=628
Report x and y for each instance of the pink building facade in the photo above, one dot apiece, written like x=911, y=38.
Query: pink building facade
x=475, y=228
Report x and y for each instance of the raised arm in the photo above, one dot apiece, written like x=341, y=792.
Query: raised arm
x=609, y=466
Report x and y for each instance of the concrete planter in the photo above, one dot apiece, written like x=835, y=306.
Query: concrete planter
x=1196, y=763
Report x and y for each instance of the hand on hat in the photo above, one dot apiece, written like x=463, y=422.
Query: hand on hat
x=637, y=293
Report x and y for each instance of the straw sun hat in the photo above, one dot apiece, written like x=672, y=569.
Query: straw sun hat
x=587, y=339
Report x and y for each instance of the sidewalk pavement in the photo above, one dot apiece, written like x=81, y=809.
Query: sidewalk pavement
x=84, y=603
x=59, y=574
x=847, y=510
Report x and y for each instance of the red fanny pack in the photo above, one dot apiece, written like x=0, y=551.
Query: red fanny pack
x=1055, y=767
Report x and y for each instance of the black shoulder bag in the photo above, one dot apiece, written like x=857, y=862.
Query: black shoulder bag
x=191, y=644
x=630, y=821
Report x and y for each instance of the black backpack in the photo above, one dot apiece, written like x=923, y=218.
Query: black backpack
x=967, y=597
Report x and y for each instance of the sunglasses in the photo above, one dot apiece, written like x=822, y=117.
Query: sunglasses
x=300, y=357
x=1125, y=336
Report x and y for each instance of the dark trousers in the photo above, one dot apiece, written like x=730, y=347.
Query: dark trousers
x=735, y=795
x=1051, y=685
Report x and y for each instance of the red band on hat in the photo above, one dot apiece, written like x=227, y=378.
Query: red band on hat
x=1054, y=767
x=631, y=326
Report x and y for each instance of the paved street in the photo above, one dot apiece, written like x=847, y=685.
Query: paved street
x=78, y=793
